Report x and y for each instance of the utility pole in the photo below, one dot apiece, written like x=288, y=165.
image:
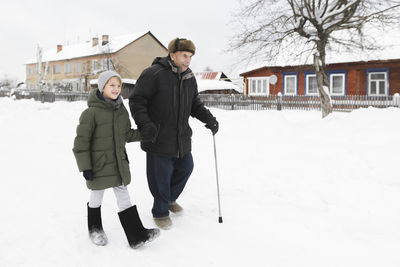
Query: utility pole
x=39, y=71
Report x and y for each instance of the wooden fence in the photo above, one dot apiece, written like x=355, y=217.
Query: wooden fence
x=275, y=102
x=238, y=102
x=45, y=96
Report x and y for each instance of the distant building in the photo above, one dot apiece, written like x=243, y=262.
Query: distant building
x=72, y=67
x=371, y=78
x=212, y=75
x=215, y=82
x=217, y=87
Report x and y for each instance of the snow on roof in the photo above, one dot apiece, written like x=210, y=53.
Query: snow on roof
x=392, y=52
x=203, y=85
x=389, y=40
x=115, y=44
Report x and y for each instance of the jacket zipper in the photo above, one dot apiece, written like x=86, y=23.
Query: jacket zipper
x=180, y=111
x=115, y=145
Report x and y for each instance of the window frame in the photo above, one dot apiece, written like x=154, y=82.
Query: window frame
x=338, y=73
x=259, y=81
x=106, y=63
x=31, y=71
x=95, y=63
x=56, y=68
x=68, y=67
x=384, y=71
x=83, y=67
x=296, y=83
x=306, y=83
x=77, y=67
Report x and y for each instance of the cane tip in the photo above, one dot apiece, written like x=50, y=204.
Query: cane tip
x=220, y=220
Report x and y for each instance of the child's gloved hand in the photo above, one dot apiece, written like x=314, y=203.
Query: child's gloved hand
x=88, y=174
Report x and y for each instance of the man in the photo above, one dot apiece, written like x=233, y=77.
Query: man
x=164, y=97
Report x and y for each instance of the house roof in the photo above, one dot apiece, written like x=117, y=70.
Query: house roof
x=204, y=85
x=328, y=64
x=208, y=75
x=211, y=75
x=115, y=44
x=390, y=52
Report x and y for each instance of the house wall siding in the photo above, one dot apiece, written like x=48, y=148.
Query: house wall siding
x=52, y=77
x=138, y=55
x=356, y=79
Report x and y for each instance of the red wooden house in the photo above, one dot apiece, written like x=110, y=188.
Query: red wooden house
x=372, y=78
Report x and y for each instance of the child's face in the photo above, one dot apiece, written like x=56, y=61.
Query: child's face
x=112, y=89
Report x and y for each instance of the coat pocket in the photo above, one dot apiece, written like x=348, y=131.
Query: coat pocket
x=98, y=160
x=125, y=156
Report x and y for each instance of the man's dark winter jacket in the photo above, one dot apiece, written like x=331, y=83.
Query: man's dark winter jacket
x=99, y=144
x=167, y=98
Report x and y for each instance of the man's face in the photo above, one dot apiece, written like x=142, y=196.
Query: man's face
x=182, y=59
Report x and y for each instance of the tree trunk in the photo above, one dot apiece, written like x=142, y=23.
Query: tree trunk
x=322, y=81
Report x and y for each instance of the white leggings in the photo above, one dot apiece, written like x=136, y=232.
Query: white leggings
x=121, y=194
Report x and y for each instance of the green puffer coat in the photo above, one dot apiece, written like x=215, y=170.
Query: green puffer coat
x=100, y=141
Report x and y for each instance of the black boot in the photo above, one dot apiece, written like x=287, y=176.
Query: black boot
x=95, y=227
x=135, y=232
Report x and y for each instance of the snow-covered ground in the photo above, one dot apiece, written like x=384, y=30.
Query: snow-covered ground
x=296, y=190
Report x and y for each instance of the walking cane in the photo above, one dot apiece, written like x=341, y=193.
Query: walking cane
x=216, y=172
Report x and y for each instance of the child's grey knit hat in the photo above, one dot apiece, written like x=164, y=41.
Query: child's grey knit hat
x=105, y=76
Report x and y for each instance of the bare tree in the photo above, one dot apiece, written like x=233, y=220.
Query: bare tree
x=300, y=28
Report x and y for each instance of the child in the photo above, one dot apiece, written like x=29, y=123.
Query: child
x=99, y=149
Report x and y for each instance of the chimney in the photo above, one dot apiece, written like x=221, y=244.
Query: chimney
x=59, y=48
x=104, y=39
x=95, y=41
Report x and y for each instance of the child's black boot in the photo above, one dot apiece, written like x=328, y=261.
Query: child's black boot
x=135, y=232
x=95, y=226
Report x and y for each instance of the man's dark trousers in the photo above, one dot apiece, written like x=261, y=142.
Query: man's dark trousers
x=167, y=177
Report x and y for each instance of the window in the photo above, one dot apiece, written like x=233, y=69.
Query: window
x=289, y=84
x=311, y=84
x=84, y=67
x=264, y=87
x=77, y=67
x=31, y=70
x=56, y=68
x=106, y=64
x=259, y=86
x=67, y=67
x=378, y=83
x=337, y=83
x=253, y=86
x=95, y=65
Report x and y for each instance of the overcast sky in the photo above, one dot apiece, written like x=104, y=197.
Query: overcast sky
x=26, y=24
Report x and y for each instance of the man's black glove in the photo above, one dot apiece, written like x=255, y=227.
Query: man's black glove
x=213, y=125
x=88, y=174
x=148, y=132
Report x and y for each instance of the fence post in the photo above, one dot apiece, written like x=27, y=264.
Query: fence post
x=279, y=104
x=396, y=100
